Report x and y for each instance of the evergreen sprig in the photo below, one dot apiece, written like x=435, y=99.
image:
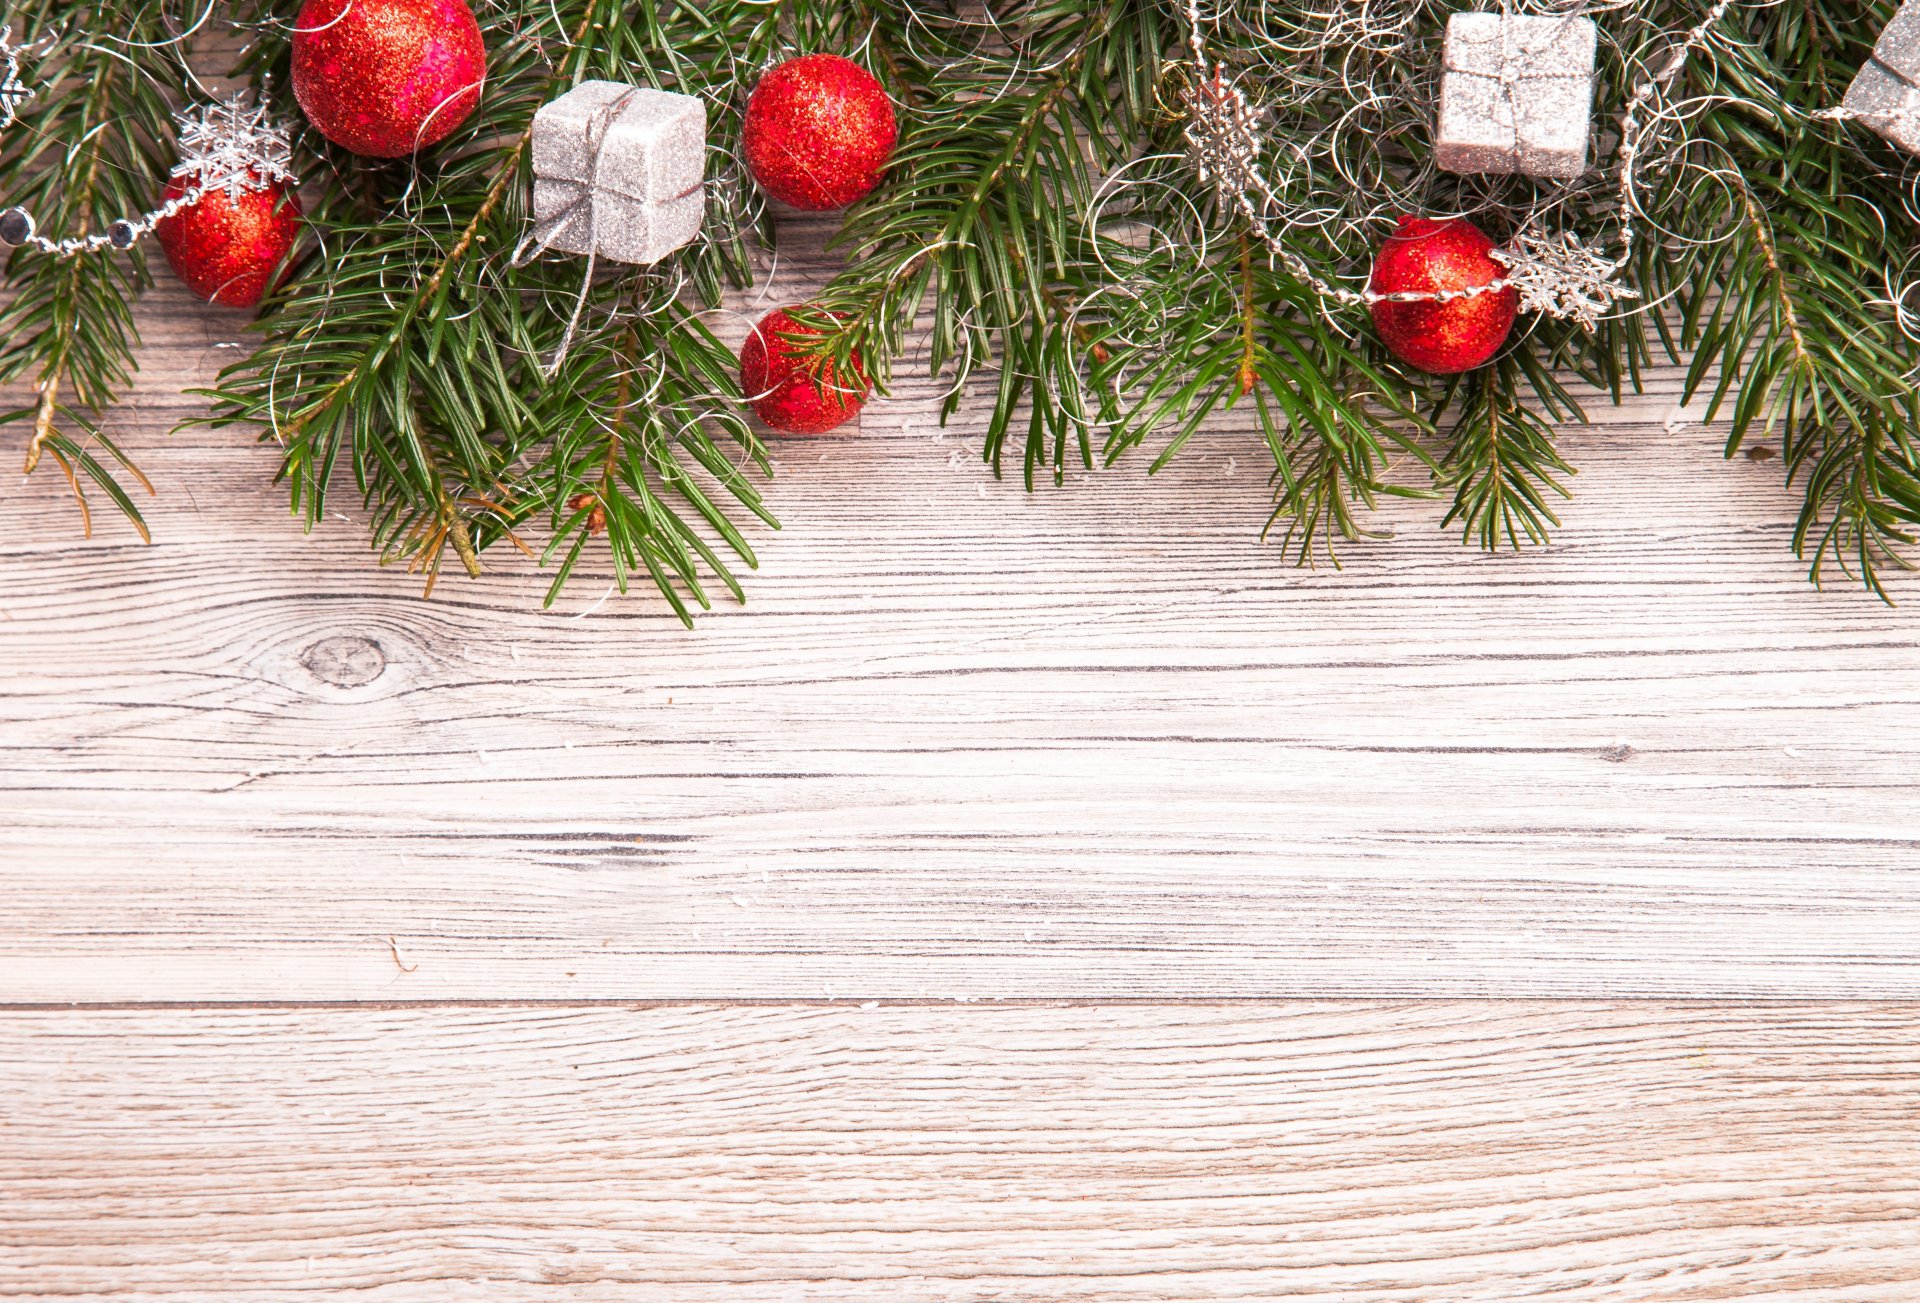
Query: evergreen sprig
x=409, y=350
x=1795, y=323
x=1010, y=117
x=93, y=145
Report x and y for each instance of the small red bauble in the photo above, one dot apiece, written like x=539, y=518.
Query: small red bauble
x=227, y=248
x=794, y=393
x=1442, y=337
x=387, y=77
x=819, y=131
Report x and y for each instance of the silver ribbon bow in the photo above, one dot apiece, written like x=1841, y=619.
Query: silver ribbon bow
x=541, y=237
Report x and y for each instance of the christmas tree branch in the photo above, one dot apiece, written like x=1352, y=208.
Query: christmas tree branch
x=980, y=217
x=415, y=346
x=651, y=397
x=1502, y=460
x=44, y=411
x=1787, y=332
x=1043, y=219
x=422, y=294
x=91, y=146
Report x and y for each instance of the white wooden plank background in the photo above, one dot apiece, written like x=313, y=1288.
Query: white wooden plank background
x=324, y=907
x=1358, y=1152
x=960, y=742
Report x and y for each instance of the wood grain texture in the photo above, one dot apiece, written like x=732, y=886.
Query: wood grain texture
x=963, y=742
x=1359, y=1152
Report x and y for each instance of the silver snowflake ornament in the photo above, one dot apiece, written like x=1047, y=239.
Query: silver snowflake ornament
x=1223, y=139
x=1562, y=277
x=233, y=145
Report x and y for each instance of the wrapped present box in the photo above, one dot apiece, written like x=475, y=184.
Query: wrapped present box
x=617, y=171
x=1886, y=93
x=1516, y=94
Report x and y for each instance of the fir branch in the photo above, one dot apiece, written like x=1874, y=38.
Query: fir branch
x=1249, y=318
x=1240, y=331
x=1502, y=460
x=658, y=397
x=1787, y=331
x=92, y=145
x=1040, y=217
x=412, y=348
x=980, y=218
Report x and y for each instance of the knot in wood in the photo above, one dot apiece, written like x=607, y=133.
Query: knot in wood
x=345, y=660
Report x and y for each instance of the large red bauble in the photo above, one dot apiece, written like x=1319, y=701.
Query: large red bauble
x=1442, y=337
x=387, y=77
x=794, y=393
x=227, y=249
x=819, y=131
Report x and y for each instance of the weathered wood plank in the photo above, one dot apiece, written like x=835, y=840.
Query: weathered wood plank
x=1356, y=1152
x=962, y=742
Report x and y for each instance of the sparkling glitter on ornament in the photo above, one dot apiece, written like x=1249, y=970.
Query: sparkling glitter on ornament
x=1450, y=334
x=387, y=77
x=819, y=132
x=791, y=392
x=226, y=247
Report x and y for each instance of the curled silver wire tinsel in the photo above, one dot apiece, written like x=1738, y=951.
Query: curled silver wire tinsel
x=1364, y=53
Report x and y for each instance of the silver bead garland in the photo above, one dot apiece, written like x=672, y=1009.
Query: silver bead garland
x=230, y=145
x=13, y=91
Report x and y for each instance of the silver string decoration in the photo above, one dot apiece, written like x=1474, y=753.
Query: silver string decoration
x=1635, y=138
x=13, y=91
x=230, y=145
x=1223, y=142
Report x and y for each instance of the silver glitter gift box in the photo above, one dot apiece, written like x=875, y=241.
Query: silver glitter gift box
x=1516, y=94
x=617, y=171
x=1885, y=95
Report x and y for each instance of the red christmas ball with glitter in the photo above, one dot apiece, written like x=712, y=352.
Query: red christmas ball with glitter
x=1450, y=335
x=819, y=132
x=387, y=77
x=228, y=247
x=792, y=392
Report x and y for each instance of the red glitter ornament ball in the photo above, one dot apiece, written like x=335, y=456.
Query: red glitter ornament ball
x=819, y=131
x=1441, y=337
x=792, y=393
x=228, y=248
x=387, y=77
